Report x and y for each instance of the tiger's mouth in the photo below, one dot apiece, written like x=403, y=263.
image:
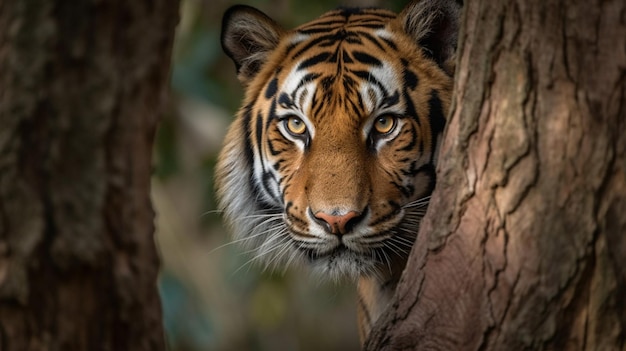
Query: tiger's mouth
x=371, y=248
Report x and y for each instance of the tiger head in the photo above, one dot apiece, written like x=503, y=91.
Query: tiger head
x=331, y=158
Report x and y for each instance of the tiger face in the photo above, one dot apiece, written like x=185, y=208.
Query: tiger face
x=331, y=159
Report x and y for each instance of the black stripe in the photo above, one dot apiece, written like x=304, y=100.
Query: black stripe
x=410, y=79
x=371, y=38
x=354, y=108
x=311, y=44
x=410, y=146
x=348, y=84
x=366, y=58
x=259, y=132
x=346, y=57
x=247, y=116
x=268, y=178
x=316, y=30
x=322, y=27
x=406, y=191
x=395, y=208
x=410, y=108
x=326, y=24
x=390, y=100
x=271, y=116
x=314, y=60
x=285, y=101
x=277, y=164
x=354, y=40
x=249, y=154
x=272, y=87
x=436, y=117
x=390, y=43
x=273, y=150
x=327, y=82
x=372, y=25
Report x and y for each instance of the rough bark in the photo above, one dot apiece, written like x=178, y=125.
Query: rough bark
x=524, y=242
x=80, y=88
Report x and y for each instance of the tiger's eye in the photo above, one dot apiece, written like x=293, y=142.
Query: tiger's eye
x=295, y=125
x=384, y=124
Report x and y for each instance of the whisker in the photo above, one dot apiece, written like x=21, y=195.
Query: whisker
x=293, y=255
x=274, y=261
x=418, y=203
x=210, y=212
x=258, y=256
x=387, y=260
x=403, y=241
x=395, y=249
x=262, y=215
x=241, y=240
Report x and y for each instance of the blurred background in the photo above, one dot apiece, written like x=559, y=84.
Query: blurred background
x=213, y=298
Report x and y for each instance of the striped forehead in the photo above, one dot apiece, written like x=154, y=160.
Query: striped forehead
x=374, y=85
x=360, y=61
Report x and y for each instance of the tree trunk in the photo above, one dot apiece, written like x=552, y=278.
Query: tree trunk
x=80, y=88
x=524, y=242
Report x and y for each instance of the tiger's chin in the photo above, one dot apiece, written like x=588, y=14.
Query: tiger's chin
x=343, y=263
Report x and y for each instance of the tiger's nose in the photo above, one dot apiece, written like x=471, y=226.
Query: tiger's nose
x=338, y=224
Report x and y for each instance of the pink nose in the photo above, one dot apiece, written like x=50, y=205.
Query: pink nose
x=338, y=225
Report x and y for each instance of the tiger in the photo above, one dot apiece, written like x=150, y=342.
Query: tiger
x=330, y=160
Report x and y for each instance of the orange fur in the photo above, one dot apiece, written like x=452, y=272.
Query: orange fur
x=280, y=190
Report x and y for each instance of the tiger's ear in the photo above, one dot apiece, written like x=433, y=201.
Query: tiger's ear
x=248, y=36
x=434, y=25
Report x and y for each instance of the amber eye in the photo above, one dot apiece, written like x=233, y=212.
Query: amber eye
x=384, y=124
x=295, y=125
